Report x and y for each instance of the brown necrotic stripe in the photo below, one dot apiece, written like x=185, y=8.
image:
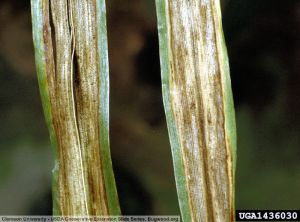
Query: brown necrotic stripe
x=197, y=101
x=73, y=76
x=87, y=97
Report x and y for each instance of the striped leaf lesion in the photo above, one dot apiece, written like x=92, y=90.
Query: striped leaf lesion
x=69, y=39
x=196, y=97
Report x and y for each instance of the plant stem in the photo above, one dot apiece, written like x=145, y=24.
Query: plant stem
x=72, y=68
x=199, y=107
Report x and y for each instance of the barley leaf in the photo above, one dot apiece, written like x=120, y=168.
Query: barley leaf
x=72, y=66
x=199, y=107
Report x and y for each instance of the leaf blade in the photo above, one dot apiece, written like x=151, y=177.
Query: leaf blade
x=199, y=107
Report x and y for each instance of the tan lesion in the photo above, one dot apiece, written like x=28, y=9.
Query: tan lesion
x=73, y=76
x=197, y=102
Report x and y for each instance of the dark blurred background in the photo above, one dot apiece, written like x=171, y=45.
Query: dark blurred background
x=263, y=44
